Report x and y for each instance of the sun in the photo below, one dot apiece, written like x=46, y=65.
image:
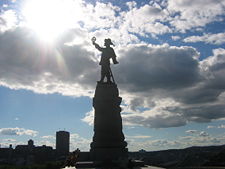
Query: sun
x=50, y=18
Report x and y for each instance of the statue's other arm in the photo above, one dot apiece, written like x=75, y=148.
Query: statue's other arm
x=113, y=53
x=113, y=56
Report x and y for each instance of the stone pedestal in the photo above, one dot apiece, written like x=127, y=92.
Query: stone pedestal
x=108, y=140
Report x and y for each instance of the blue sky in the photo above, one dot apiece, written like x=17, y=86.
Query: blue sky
x=170, y=76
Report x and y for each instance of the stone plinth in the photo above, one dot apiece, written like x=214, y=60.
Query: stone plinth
x=108, y=140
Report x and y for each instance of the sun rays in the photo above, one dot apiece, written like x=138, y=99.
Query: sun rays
x=50, y=18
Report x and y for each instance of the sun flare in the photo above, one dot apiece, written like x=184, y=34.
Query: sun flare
x=50, y=18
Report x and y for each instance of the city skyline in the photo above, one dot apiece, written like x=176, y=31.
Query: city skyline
x=170, y=73
x=61, y=142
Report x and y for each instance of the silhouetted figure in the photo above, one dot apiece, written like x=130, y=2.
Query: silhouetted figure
x=107, y=54
x=72, y=158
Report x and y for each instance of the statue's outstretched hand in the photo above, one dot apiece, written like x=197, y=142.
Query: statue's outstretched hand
x=93, y=40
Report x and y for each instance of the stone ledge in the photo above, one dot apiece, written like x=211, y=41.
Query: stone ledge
x=115, y=165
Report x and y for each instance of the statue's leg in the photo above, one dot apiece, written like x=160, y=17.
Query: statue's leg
x=103, y=73
x=108, y=75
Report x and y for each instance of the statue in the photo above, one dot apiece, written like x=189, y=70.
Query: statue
x=108, y=146
x=72, y=158
x=107, y=54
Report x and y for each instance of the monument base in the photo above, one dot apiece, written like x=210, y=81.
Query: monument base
x=108, y=148
x=108, y=141
x=109, y=154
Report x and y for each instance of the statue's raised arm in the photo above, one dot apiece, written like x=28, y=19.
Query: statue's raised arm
x=96, y=45
x=107, y=54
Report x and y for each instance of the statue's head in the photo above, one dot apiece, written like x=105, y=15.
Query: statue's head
x=108, y=42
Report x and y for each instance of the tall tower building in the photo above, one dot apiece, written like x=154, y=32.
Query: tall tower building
x=62, y=142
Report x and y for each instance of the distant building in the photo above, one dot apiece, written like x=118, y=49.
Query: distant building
x=43, y=153
x=25, y=148
x=29, y=154
x=6, y=155
x=142, y=151
x=62, y=142
x=30, y=143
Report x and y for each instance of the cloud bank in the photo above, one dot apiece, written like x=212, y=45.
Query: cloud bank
x=161, y=85
x=18, y=131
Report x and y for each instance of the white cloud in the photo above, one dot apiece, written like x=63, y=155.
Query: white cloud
x=8, y=20
x=48, y=137
x=211, y=127
x=175, y=37
x=89, y=117
x=156, y=144
x=191, y=131
x=138, y=137
x=77, y=141
x=203, y=134
x=216, y=39
x=149, y=18
x=222, y=126
x=197, y=133
x=102, y=15
x=131, y=4
x=153, y=17
x=9, y=140
x=194, y=14
x=180, y=142
x=18, y=131
x=5, y=5
x=157, y=117
x=46, y=142
x=195, y=140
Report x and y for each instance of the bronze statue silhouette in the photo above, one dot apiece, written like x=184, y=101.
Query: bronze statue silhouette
x=72, y=158
x=107, y=54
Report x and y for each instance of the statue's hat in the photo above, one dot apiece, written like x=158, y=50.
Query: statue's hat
x=108, y=41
